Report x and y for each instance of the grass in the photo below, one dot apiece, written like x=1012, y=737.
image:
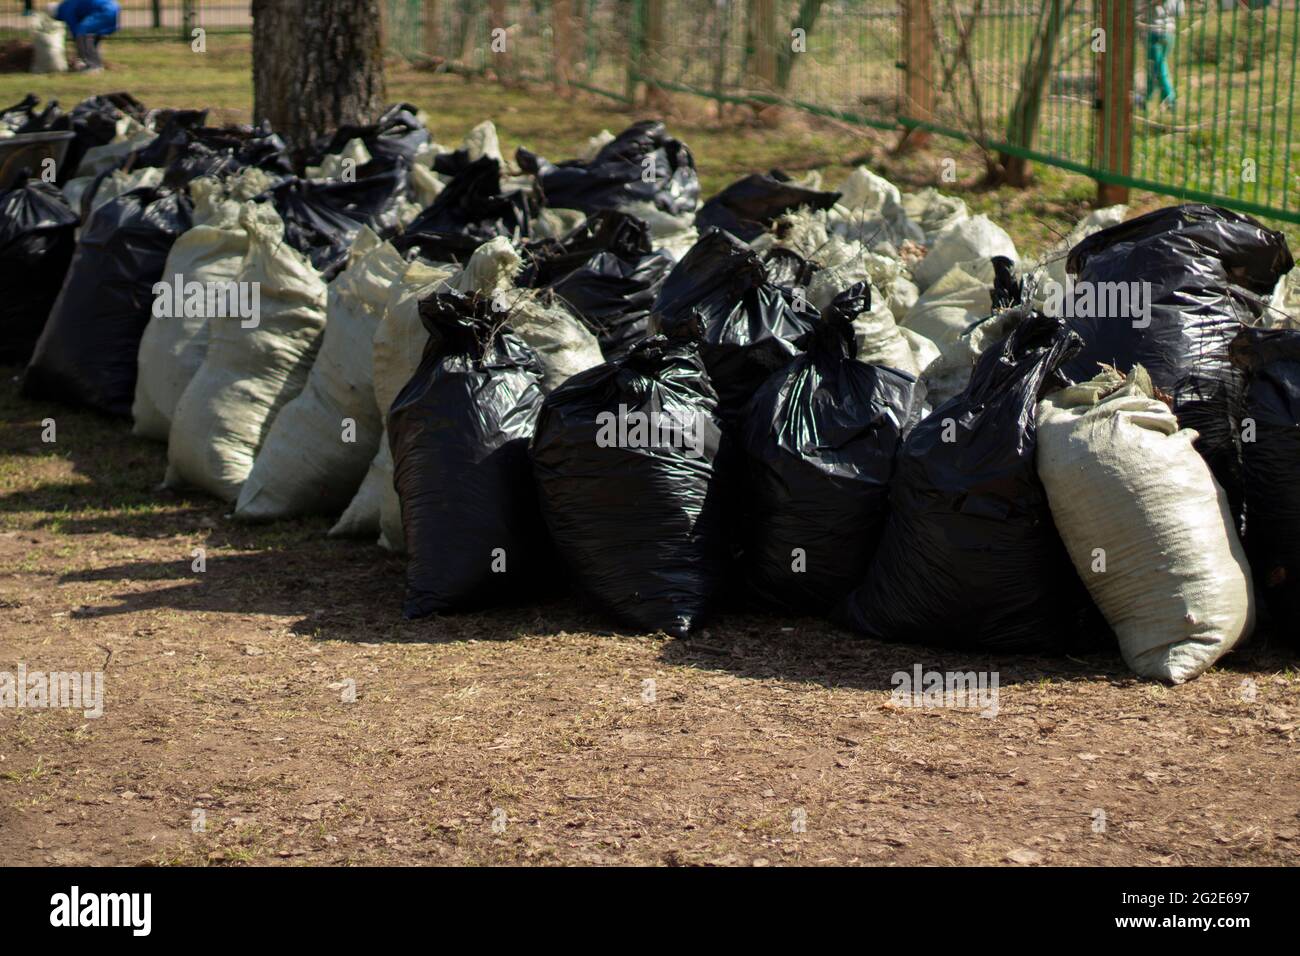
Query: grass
x=728, y=142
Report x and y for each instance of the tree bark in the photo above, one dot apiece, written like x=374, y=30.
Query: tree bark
x=317, y=64
x=1034, y=79
x=805, y=19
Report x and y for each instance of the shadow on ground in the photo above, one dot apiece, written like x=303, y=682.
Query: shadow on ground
x=352, y=591
x=346, y=591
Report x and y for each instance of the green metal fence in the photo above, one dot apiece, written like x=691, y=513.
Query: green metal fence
x=1062, y=82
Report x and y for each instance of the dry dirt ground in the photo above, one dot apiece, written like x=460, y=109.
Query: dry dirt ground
x=532, y=736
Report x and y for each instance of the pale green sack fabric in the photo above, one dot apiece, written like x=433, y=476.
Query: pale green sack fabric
x=1146, y=525
x=249, y=372
x=173, y=346
x=320, y=444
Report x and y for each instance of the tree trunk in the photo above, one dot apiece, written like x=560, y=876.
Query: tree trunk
x=317, y=64
x=1034, y=78
x=804, y=20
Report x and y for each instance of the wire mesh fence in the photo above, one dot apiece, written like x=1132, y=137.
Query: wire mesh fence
x=1193, y=98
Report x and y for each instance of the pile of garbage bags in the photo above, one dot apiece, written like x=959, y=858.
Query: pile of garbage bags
x=851, y=402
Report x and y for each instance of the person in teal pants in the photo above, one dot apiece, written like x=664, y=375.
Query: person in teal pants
x=1161, y=26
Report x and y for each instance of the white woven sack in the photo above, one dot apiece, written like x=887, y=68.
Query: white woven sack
x=248, y=373
x=975, y=238
x=118, y=183
x=863, y=189
x=48, y=55
x=942, y=314
x=129, y=135
x=1051, y=268
x=563, y=344
x=933, y=211
x=320, y=444
x=173, y=346
x=1146, y=525
x=397, y=345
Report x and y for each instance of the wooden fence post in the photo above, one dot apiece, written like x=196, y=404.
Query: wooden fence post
x=918, y=67
x=763, y=13
x=652, y=50
x=432, y=28
x=1114, y=114
x=562, y=43
x=636, y=27
x=500, y=57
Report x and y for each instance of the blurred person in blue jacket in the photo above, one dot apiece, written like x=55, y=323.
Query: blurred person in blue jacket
x=89, y=21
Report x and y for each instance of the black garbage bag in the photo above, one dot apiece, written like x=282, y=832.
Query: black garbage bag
x=37, y=236
x=258, y=145
x=787, y=268
x=970, y=557
x=186, y=149
x=607, y=272
x=26, y=116
x=87, y=352
x=436, y=246
x=473, y=204
x=459, y=435
x=323, y=216
x=548, y=260
x=94, y=121
x=1206, y=269
x=397, y=135
x=819, y=442
x=1270, y=453
x=16, y=117
x=452, y=164
x=630, y=468
x=617, y=174
x=748, y=206
x=750, y=327
x=1008, y=287
x=175, y=130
